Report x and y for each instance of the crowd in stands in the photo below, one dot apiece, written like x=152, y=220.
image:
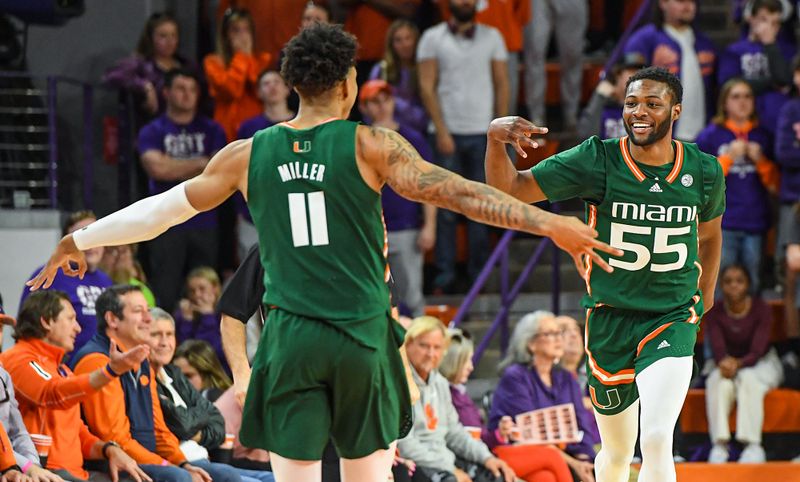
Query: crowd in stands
x=124, y=368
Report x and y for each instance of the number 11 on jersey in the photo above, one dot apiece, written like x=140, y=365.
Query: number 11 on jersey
x=314, y=216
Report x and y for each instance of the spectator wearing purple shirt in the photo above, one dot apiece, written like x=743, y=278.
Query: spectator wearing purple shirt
x=274, y=94
x=747, y=368
x=761, y=61
x=744, y=149
x=602, y=117
x=174, y=147
x=742, y=9
x=531, y=380
x=399, y=68
x=82, y=292
x=411, y=227
x=673, y=43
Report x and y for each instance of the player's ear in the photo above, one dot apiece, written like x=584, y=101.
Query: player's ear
x=676, y=111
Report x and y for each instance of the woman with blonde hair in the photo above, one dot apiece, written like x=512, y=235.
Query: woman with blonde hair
x=233, y=71
x=197, y=316
x=199, y=363
x=530, y=462
x=399, y=68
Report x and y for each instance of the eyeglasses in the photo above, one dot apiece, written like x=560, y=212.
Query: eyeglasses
x=552, y=334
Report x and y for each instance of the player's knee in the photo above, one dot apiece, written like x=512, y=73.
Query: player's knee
x=656, y=440
x=614, y=456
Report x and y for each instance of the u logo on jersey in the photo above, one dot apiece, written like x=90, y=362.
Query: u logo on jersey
x=306, y=146
x=612, y=395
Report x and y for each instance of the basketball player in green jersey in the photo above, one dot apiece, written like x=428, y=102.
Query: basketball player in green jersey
x=660, y=201
x=328, y=365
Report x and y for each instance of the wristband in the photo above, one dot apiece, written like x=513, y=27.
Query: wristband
x=26, y=467
x=109, y=372
x=108, y=444
x=164, y=462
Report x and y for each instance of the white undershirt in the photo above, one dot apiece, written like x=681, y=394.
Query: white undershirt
x=693, y=115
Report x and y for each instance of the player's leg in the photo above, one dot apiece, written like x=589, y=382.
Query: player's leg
x=370, y=467
x=662, y=390
x=288, y=470
x=618, y=436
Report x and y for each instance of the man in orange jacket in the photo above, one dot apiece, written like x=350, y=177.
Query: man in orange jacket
x=49, y=393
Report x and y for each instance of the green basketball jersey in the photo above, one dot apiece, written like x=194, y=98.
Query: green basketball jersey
x=649, y=212
x=320, y=226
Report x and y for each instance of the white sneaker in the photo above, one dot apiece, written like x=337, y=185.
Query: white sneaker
x=719, y=454
x=753, y=454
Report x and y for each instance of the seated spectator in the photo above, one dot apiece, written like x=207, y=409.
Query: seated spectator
x=787, y=155
x=194, y=420
x=438, y=443
x=672, y=42
x=82, y=292
x=747, y=368
x=199, y=363
x=122, y=266
x=762, y=61
x=233, y=70
x=128, y=409
x=10, y=471
x=530, y=462
x=531, y=380
x=411, y=227
x=602, y=117
x=175, y=147
x=743, y=10
x=744, y=148
x=399, y=68
x=143, y=72
x=574, y=358
x=197, y=316
x=49, y=393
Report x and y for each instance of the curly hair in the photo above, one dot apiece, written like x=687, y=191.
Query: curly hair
x=318, y=58
x=658, y=74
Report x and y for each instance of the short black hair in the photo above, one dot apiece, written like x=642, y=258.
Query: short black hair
x=173, y=74
x=111, y=300
x=771, y=6
x=318, y=58
x=40, y=304
x=658, y=74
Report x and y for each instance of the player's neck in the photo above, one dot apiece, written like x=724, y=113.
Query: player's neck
x=314, y=114
x=656, y=154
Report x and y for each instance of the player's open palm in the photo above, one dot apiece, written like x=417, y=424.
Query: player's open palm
x=579, y=240
x=65, y=256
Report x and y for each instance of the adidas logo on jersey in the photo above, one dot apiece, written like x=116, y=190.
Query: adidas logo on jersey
x=655, y=188
x=663, y=344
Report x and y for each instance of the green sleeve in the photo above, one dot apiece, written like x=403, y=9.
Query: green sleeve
x=713, y=189
x=577, y=172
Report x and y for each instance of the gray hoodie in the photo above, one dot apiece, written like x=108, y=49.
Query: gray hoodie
x=436, y=441
x=24, y=451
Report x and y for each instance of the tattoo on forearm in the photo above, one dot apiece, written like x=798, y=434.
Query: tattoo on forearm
x=417, y=179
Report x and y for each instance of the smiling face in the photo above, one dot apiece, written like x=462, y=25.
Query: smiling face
x=548, y=343
x=162, y=341
x=648, y=113
x=134, y=327
x=62, y=330
x=425, y=352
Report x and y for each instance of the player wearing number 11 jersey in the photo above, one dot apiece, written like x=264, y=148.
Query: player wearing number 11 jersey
x=660, y=201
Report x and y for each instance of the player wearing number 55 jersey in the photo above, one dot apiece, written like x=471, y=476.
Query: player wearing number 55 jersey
x=660, y=201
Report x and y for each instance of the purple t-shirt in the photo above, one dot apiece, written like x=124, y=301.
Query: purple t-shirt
x=83, y=294
x=611, y=122
x=521, y=390
x=201, y=137
x=398, y=212
x=747, y=60
x=247, y=130
x=408, y=108
x=746, y=198
x=201, y=327
x=787, y=151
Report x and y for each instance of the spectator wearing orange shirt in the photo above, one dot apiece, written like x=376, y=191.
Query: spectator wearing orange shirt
x=128, y=410
x=9, y=470
x=510, y=18
x=369, y=21
x=49, y=394
x=233, y=71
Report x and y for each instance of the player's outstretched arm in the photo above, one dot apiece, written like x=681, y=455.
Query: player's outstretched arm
x=500, y=170
x=401, y=166
x=148, y=218
x=710, y=249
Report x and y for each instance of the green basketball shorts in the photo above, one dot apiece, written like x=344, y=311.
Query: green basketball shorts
x=312, y=382
x=621, y=343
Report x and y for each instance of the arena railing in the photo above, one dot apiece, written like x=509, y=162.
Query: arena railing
x=501, y=252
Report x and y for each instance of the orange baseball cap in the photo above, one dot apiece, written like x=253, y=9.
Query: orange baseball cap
x=372, y=88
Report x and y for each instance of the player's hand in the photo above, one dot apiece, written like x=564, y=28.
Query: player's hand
x=579, y=240
x=123, y=362
x=445, y=144
x=516, y=131
x=65, y=253
x=498, y=467
x=241, y=381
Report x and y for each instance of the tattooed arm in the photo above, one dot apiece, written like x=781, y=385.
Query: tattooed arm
x=397, y=163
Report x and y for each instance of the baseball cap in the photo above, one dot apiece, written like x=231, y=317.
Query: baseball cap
x=372, y=88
